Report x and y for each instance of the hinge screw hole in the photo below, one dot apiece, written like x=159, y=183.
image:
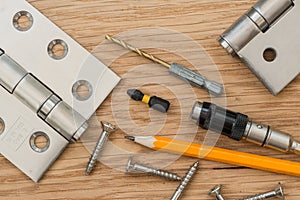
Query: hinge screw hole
x=82, y=90
x=57, y=49
x=269, y=54
x=23, y=20
x=39, y=142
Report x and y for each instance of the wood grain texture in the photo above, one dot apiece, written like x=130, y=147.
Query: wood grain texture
x=87, y=21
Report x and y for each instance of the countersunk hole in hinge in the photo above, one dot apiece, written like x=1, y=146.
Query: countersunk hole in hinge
x=82, y=90
x=57, y=49
x=39, y=142
x=23, y=20
x=2, y=126
x=269, y=54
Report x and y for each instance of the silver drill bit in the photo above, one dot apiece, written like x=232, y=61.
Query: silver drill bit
x=178, y=70
x=216, y=191
x=141, y=168
x=276, y=193
x=107, y=129
x=185, y=181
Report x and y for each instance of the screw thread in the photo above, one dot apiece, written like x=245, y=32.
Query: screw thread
x=188, y=176
x=185, y=181
x=277, y=193
x=262, y=196
x=152, y=171
x=93, y=159
x=167, y=175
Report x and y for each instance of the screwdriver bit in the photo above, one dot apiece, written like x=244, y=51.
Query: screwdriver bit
x=176, y=69
x=154, y=102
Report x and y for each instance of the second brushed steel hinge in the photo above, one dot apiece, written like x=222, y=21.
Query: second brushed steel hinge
x=267, y=39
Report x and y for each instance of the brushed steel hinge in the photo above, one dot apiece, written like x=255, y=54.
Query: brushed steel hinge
x=39, y=88
x=269, y=27
x=40, y=99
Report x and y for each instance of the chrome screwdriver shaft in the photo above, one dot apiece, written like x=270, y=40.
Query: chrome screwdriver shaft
x=175, y=69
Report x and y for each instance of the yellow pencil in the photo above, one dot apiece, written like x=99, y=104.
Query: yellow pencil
x=218, y=154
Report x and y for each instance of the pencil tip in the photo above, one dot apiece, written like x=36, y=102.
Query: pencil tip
x=130, y=138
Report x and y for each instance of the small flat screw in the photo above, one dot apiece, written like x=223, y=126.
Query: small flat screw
x=185, y=181
x=107, y=128
x=276, y=193
x=141, y=168
x=216, y=191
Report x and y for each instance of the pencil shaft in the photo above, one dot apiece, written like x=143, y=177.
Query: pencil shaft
x=226, y=156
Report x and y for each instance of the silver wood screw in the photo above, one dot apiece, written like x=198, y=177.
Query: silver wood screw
x=185, y=181
x=276, y=193
x=216, y=191
x=141, y=168
x=107, y=128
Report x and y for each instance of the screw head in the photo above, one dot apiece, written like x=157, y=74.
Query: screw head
x=129, y=164
x=108, y=127
x=216, y=190
x=279, y=191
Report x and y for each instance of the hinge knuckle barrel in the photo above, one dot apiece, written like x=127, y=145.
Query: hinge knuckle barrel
x=238, y=35
x=258, y=19
x=31, y=92
x=40, y=99
x=47, y=107
x=10, y=73
x=66, y=120
x=272, y=9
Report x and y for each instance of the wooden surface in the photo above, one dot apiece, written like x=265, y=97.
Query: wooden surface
x=87, y=21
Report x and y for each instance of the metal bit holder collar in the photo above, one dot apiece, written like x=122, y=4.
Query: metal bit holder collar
x=38, y=87
x=269, y=26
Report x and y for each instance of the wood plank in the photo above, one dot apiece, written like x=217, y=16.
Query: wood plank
x=87, y=21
